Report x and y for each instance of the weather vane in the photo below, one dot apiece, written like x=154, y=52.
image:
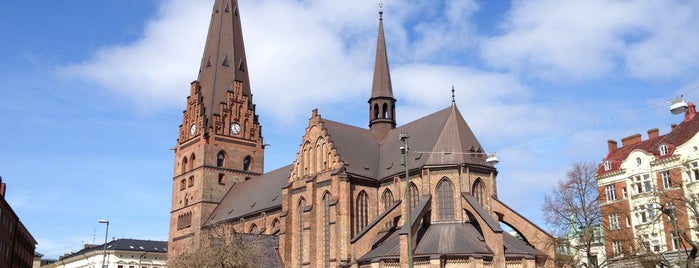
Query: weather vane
x=380, y=5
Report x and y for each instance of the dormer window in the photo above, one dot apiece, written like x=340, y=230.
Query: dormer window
x=638, y=161
x=607, y=165
x=664, y=150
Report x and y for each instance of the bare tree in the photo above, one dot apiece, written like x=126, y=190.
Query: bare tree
x=572, y=210
x=220, y=250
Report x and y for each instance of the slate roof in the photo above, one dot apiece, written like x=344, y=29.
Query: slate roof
x=430, y=136
x=268, y=245
x=252, y=196
x=124, y=245
x=455, y=239
x=678, y=136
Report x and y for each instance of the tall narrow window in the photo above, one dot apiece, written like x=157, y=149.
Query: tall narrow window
x=384, y=112
x=184, y=165
x=414, y=196
x=191, y=161
x=275, y=227
x=477, y=191
x=387, y=199
x=610, y=192
x=300, y=245
x=220, y=159
x=667, y=183
x=183, y=184
x=445, y=200
x=326, y=229
x=664, y=150
x=253, y=228
x=362, y=215
x=190, y=182
x=246, y=163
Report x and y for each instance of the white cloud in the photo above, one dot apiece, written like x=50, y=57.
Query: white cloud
x=592, y=39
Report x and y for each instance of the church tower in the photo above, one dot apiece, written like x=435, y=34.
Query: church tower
x=220, y=141
x=382, y=105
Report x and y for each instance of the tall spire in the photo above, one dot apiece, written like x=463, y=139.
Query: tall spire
x=224, y=58
x=382, y=104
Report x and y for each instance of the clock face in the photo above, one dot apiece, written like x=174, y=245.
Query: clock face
x=193, y=129
x=235, y=128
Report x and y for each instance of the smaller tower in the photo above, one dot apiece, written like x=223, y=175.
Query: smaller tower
x=382, y=105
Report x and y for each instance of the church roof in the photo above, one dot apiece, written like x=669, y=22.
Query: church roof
x=258, y=194
x=441, y=138
x=224, y=59
x=455, y=239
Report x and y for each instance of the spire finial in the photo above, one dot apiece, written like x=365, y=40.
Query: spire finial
x=380, y=9
x=453, y=96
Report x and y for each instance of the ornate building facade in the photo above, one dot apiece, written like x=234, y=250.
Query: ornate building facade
x=649, y=194
x=343, y=201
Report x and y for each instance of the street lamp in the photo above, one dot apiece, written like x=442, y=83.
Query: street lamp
x=404, y=150
x=104, y=251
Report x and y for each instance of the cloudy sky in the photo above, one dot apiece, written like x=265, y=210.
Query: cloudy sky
x=91, y=92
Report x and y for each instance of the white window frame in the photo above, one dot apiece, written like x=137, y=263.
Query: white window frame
x=614, y=222
x=607, y=165
x=664, y=150
x=665, y=175
x=610, y=191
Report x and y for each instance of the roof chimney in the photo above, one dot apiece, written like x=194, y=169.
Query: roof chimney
x=653, y=133
x=612, y=145
x=2, y=188
x=691, y=112
x=631, y=140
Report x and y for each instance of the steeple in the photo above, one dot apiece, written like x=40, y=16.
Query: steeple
x=224, y=58
x=382, y=116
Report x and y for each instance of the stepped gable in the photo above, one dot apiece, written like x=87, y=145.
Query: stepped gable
x=261, y=193
x=680, y=134
x=357, y=147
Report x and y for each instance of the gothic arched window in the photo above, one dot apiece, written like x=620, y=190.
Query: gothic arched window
x=414, y=195
x=387, y=199
x=362, y=215
x=246, y=163
x=220, y=159
x=300, y=245
x=326, y=229
x=253, y=228
x=445, y=200
x=275, y=227
x=184, y=165
x=478, y=191
x=191, y=161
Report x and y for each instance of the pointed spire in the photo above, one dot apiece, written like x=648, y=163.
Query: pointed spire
x=224, y=47
x=382, y=104
x=453, y=96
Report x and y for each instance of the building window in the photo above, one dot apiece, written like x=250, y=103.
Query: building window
x=191, y=161
x=623, y=192
x=275, y=227
x=184, y=220
x=695, y=170
x=614, y=221
x=362, y=215
x=387, y=199
x=645, y=213
x=610, y=191
x=326, y=229
x=300, y=244
x=478, y=191
x=675, y=242
x=617, y=248
x=184, y=165
x=221, y=179
x=190, y=181
x=253, y=228
x=638, y=161
x=246, y=163
x=641, y=184
x=183, y=184
x=414, y=196
x=220, y=159
x=607, y=165
x=445, y=197
x=664, y=150
x=665, y=175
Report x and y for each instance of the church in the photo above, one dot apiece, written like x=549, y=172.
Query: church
x=345, y=200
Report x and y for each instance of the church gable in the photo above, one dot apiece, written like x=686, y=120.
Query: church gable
x=236, y=117
x=317, y=152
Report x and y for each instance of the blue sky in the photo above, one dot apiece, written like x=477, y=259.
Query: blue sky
x=91, y=92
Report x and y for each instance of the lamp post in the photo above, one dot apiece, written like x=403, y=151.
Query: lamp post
x=407, y=225
x=104, y=250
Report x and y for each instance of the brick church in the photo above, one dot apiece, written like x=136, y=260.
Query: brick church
x=344, y=200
